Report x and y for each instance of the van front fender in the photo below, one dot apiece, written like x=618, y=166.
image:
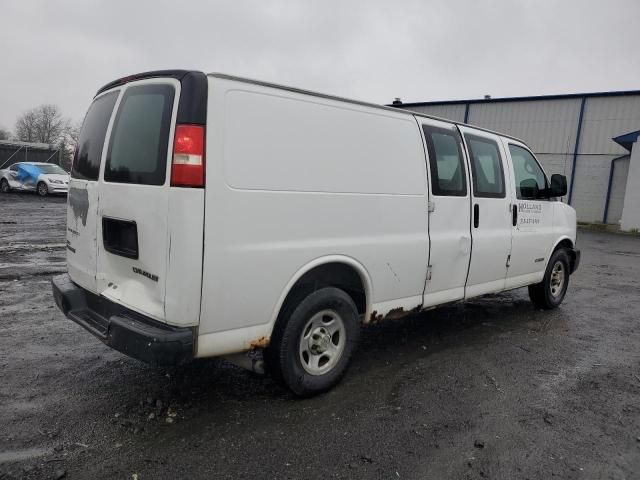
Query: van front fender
x=574, y=254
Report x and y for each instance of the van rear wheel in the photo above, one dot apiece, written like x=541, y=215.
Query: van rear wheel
x=549, y=293
x=313, y=342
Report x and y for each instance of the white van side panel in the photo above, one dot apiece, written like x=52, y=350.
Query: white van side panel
x=564, y=223
x=280, y=142
x=232, y=341
x=292, y=178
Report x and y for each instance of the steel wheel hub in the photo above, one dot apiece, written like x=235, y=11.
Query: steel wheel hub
x=322, y=342
x=557, y=279
x=319, y=340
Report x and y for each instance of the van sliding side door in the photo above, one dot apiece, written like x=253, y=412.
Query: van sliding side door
x=490, y=214
x=449, y=214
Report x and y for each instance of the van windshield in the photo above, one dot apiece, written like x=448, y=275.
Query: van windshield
x=138, y=146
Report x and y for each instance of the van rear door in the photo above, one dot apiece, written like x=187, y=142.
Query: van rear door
x=136, y=200
x=133, y=228
x=82, y=208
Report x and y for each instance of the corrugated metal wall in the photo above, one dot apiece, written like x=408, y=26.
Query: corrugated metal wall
x=453, y=112
x=604, y=118
x=618, y=188
x=549, y=127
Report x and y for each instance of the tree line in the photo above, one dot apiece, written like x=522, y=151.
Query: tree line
x=46, y=124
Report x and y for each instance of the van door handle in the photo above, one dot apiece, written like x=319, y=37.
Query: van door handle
x=514, y=215
x=476, y=215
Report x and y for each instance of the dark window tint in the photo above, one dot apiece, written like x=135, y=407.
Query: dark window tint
x=530, y=179
x=138, y=147
x=486, y=167
x=86, y=162
x=14, y=167
x=446, y=163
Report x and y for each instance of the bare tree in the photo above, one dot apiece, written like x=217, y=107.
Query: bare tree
x=72, y=133
x=67, y=144
x=43, y=124
x=4, y=134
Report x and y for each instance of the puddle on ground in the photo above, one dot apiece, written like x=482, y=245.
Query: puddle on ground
x=30, y=247
x=18, y=455
x=627, y=254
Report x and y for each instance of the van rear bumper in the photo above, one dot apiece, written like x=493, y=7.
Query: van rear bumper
x=122, y=329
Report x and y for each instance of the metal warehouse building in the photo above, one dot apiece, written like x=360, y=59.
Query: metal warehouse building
x=591, y=138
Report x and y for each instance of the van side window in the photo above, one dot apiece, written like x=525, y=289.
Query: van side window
x=86, y=160
x=446, y=164
x=530, y=179
x=138, y=146
x=486, y=166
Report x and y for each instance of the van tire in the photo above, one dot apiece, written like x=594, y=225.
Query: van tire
x=42, y=189
x=549, y=293
x=4, y=186
x=324, y=322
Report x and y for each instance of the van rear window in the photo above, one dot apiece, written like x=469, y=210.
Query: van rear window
x=138, y=146
x=86, y=162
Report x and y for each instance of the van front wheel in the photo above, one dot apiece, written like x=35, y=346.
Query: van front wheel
x=312, y=346
x=549, y=293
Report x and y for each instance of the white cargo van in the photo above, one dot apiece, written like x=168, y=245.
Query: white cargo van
x=210, y=215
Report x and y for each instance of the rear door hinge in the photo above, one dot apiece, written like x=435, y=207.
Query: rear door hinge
x=508, y=260
x=429, y=270
x=431, y=206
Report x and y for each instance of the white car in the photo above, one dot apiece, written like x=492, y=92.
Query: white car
x=44, y=178
x=212, y=215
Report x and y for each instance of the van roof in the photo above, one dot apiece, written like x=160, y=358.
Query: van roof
x=357, y=102
x=179, y=74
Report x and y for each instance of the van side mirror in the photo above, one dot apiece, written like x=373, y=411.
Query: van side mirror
x=529, y=189
x=558, y=186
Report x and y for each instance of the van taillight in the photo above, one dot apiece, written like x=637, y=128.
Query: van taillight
x=187, y=169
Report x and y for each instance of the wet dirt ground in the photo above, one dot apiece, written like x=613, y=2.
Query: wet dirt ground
x=490, y=389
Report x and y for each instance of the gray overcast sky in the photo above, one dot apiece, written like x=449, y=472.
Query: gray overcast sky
x=62, y=51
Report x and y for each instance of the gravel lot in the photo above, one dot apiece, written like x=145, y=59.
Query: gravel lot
x=490, y=389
